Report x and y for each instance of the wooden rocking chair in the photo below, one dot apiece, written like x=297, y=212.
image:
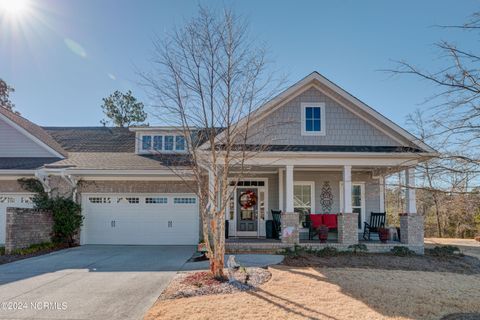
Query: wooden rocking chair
x=377, y=221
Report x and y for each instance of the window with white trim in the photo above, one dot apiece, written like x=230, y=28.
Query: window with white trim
x=303, y=199
x=159, y=143
x=98, y=200
x=169, y=143
x=313, y=119
x=184, y=200
x=160, y=200
x=7, y=200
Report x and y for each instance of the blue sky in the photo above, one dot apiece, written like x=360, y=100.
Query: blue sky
x=63, y=57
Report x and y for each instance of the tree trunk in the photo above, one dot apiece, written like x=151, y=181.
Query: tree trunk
x=217, y=261
x=437, y=214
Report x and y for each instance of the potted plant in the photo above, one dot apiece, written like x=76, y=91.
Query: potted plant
x=202, y=247
x=323, y=233
x=383, y=234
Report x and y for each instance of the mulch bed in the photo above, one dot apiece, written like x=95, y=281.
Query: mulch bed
x=456, y=264
x=199, y=283
x=15, y=257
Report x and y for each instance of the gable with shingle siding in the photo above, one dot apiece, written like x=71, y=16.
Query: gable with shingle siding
x=343, y=128
x=13, y=143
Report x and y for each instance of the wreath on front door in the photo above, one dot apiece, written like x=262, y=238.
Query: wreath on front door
x=247, y=199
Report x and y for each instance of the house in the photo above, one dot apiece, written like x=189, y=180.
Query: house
x=327, y=152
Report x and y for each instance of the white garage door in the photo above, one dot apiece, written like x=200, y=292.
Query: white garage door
x=167, y=219
x=12, y=200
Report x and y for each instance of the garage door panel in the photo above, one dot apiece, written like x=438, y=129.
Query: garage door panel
x=140, y=219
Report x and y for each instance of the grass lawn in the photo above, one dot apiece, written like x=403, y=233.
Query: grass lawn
x=345, y=287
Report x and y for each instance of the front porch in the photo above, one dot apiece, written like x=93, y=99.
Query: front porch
x=263, y=245
x=350, y=193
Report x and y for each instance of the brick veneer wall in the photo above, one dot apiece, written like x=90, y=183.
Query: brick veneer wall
x=25, y=226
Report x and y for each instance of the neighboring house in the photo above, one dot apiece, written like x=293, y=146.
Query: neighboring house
x=326, y=152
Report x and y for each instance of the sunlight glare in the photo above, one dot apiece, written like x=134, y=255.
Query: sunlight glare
x=13, y=8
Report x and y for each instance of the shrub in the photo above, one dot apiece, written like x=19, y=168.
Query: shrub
x=402, y=251
x=443, y=251
x=327, y=252
x=2, y=251
x=67, y=218
x=359, y=247
x=34, y=248
x=294, y=252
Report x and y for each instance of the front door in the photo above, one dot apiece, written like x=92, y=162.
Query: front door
x=247, y=211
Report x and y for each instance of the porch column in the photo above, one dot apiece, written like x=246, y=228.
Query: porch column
x=289, y=189
x=290, y=219
x=347, y=189
x=280, y=190
x=347, y=220
x=410, y=197
x=381, y=196
x=411, y=223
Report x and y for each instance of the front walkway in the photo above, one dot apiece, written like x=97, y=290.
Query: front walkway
x=89, y=282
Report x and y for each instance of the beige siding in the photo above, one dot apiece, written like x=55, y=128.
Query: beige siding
x=283, y=126
x=13, y=143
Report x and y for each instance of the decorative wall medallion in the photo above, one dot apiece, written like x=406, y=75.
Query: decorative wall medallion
x=326, y=197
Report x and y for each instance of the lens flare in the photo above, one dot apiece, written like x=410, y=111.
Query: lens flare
x=14, y=8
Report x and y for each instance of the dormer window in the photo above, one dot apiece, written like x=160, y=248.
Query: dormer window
x=162, y=143
x=179, y=143
x=313, y=119
x=146, y=143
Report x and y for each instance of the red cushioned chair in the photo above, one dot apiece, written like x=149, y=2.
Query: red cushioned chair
x=330, y=220
x=313, y=222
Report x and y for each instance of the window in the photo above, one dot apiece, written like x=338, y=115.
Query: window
x=303, y=199
x=157, y=143
x=184, y=200
x=179, y=143
x=248, y=183
x=133, y=200
x=7, y=200
x=146, y=142
x=169, y=143
x=100, y=200
x=358, y=201
x=163, y=143
x=313, y=116
x=26, y=200
x=156, y=200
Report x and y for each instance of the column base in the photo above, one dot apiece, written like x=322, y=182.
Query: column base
x=348, y=228
x=411, y=229
x=290, y=227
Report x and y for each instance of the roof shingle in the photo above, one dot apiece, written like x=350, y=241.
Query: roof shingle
x=93, y=139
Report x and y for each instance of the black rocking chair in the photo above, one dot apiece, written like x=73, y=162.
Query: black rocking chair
x=277, y=225
x=377, y=221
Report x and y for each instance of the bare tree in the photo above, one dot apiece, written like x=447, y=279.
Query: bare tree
x=456, y=112
x=207, y=78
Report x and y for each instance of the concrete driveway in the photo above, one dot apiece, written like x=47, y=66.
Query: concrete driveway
x=89, y=282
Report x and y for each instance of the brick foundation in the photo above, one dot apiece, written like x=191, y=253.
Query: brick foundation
x=348, y=228
x=25, y=227
x=290, y=228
